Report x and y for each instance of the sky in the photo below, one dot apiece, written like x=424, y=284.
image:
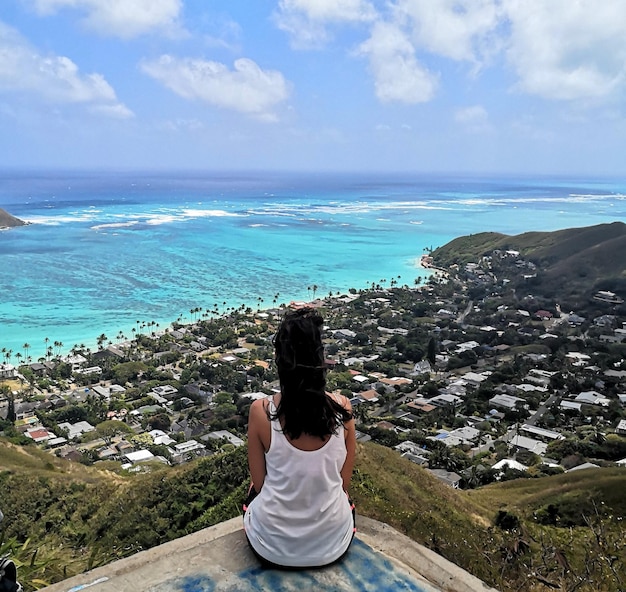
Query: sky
x=423, y=86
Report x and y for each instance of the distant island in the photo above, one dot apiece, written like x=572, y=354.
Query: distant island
x=9, y=221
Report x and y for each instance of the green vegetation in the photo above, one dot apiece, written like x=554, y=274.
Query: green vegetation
x=573, y=263
x=63, y=518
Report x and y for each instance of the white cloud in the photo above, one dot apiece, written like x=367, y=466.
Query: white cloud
x=306, y=21
x=474, y=118
x=398, y=75
x=181, y=125
x=246, y=88
x=330, y=10
x=568, y=50
x=52, y=78
x=117, y=111
x=121, y=18
x=461, y=30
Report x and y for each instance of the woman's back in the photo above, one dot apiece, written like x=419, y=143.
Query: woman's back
x=301, y=447
x=302, y=516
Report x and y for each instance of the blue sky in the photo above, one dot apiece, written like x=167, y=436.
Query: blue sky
x=484, y=86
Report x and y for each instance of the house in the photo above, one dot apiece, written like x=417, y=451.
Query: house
x=96, y=370
x=575, y=320
x=422, y=367
x=415, y=458
x=509, y=463
x=570, y=406
x=443, y=400
x=7, y=371
x=39, y=434
x=529, y=444
x=592, y=398
x=345, y=334
x=139, y=456
x=448, y=477
x=544, y=315
x=253, y=396
x=621, y=428
x=165, y=391
x=396, y=381
x=370, y=396
x=76, y=430
x=188, y=447
x=586, y=465
x=219, y=434
x=38, y=368
x=160, y=437
x=475, y=379
x=25, y=410
x=102, y=391
x=421, y=406
x=541, y=432
x=56, y=442
x=506, y=401
x=466, y=434
x=75, y=361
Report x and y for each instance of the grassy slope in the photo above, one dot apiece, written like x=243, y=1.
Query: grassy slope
x=580, y=259
x=93, y=510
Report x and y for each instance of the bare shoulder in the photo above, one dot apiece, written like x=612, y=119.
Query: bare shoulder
x=343, y=401
x=258, y=409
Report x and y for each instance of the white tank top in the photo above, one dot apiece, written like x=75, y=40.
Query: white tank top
x=302, y=516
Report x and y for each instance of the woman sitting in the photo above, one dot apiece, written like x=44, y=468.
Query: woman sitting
x=301, y=446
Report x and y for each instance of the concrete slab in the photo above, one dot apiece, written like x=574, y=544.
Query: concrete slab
x=218, y=559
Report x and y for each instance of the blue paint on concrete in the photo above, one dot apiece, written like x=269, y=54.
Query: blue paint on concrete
x=362, y=570
x=197, y=583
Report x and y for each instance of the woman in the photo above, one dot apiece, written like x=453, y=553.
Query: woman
x=301, y=446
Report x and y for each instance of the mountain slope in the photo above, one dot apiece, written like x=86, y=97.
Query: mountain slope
x=579, y=261
x=79, y=517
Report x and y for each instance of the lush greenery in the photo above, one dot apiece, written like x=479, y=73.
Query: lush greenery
x=63, y=518
x=572, y=263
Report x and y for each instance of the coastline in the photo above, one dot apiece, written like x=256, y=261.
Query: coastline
x=37, y=348
x=136, y=247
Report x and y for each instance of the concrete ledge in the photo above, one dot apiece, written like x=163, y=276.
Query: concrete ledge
x=218, y=559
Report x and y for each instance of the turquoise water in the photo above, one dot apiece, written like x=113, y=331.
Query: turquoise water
x=107, y=250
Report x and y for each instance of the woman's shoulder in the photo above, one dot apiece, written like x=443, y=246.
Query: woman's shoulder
x=342, y=400
x=260, y=407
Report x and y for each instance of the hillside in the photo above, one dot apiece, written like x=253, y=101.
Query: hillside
x=9, y=221
x=78, y=517
x=577, y=261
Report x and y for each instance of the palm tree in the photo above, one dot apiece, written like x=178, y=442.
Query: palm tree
x=26, y=347
x=101, y=339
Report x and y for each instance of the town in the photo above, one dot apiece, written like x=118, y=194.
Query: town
x=458, y=373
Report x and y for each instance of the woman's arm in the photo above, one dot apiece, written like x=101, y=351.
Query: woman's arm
x=258, y=432
x=350, y=436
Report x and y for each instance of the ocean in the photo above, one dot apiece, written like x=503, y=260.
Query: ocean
x=107, y=253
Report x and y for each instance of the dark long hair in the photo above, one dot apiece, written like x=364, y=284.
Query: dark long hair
x=304, y=405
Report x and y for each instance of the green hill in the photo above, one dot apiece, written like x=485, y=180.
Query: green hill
x=78, y=517
x=576, y=261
